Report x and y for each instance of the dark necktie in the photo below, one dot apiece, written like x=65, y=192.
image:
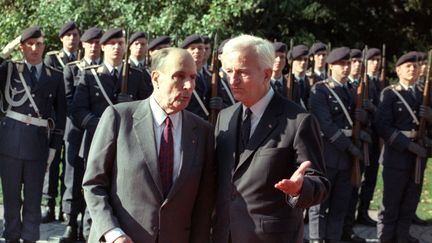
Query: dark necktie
x=114, y=75
x=71, y=57
x=246, y=127
x=278, y=87
x=166, y=157
x=33, y=75
x=140, y=65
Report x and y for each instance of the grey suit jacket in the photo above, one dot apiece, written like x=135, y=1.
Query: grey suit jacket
x=248, y=207
x=122, y=185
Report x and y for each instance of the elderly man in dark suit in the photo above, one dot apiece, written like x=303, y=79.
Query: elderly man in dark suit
x=268, y=153
x=150, y=175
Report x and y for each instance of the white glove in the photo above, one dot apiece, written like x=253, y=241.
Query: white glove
x=7, y=50
x=50, y=157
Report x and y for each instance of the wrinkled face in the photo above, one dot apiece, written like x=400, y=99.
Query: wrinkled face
x=280, y=62
x=374, y=65
x=92, y=49
x=197, y=51
x=300, y=65
x=248, y=81
x=408, y=72
x=174, y=82
x=138, y=48
x=340, y=70
x=356, y=64
x=71, y=40
x=32, y=50
x=319, y=59
x=113, y=50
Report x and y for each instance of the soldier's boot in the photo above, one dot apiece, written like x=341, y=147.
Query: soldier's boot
x=48, y=214
x=71, y=231
x=363, y=216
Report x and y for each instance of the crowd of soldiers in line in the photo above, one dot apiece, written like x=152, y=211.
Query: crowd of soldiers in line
x=68, y=92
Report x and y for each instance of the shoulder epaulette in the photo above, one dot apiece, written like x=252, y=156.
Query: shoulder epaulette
x=52, y=53
x=53, y=68
x=72, y=63
x=136, y=68
x=92, y=66
x=19, y=65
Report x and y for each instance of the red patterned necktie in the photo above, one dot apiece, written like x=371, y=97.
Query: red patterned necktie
x=166, y=157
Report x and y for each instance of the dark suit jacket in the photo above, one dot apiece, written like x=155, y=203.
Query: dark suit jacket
x=122, y=185
x=248, y=206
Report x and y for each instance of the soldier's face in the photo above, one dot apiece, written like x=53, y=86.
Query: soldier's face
x=319, y=59
x=71, y=40
x=249, y=82
x=300, y=65
x=138, y=48
x=113, y=50
x=373, y=65
x=340, y=70
x=280, y=61
x=32, y=50
x=408, y=72
x=174, y=82
x=423, y=68
x=355, y=66
x=92, y=49
x=197, y=51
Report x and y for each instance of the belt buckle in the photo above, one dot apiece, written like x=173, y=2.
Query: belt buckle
x=27, y=120
x=413, y=134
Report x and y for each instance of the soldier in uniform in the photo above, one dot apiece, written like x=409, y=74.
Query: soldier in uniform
x=69, y=36
x=207, y=53
x=158, y=43
x=138, y=50
x=332, y=102
x=356, y=67
x=318, y=51
x=278, y=80
x=397, y=124
x=73, y=200
x=299, y=62
x=31, y=132
x=99, y=86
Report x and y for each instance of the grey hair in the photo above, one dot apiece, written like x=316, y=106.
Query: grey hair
x=262, y=48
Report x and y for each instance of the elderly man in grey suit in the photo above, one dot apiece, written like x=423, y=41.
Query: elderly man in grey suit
x=268, y=153
x=150, y=174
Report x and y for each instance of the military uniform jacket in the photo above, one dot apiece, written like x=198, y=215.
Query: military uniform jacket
x=393, y=117
x=52, y=59
x=332, y=120
x=203, y=89
x=89, y=103
x=25, y=141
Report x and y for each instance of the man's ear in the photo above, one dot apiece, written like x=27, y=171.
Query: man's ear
x=155, y=78
x=268, y=73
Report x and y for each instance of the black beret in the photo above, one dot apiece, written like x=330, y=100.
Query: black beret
x=206, y=39
x=161, y=40
x=280, y=47
x=338, y=54
x=192, y=39
x=31, y=32
x=355, y=53
x=317, y=47
x=411, y=56
x=92, y=33
x=373, y=52
x=110, y=34
x=71, y=25
x=421, y=56
x=136, y=36
x=298, y=51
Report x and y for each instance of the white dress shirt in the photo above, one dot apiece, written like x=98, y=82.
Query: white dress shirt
x=258, y=110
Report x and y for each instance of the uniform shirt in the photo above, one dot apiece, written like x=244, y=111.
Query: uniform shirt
x=136, y=62
x=90, y=61
x=38, y=68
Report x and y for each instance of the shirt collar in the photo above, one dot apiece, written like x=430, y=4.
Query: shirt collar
x=136, y=62
x=338, y=83
x=38, y=66
x=406, y=87
x=89, y=61
x=110, y=68
x=259, y=107
x=69, y=53
x=159, y=115
x=280, y=80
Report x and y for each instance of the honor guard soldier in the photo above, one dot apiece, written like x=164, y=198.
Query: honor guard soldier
x=73, y=201
x=278, y=80
x=207, y=53
x=158, y=43
x=422, y=60
x=138, y=48
x=69, y=36
x=356, y=67
x=332, y=102
x=31, y=132
x=100, y=85
x=397, y=124
x=301, y=88
x=318, y=52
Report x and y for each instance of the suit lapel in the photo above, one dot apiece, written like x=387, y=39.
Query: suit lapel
x=189, y=142
x=265, y=126
x=143, y=121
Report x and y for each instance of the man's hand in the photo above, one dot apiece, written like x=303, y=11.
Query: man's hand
x=7, y=50
x=294, y=185
x=123, y=239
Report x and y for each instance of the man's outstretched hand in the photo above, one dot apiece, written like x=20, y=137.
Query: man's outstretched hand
x=294, y=185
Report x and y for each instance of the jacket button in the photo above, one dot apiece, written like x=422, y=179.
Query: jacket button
x=154, y=228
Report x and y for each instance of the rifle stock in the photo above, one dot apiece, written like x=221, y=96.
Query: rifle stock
x=383, y=65
x=214, y=69
x=290, y=81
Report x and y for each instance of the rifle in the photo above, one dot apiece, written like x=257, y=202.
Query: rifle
x=383, y=64
x=79, y=54
x=290, y=81
x=312, y=77
x=125, y=73
x=214, y=69
x=362, y=94
x=327, y=69
x=422, y=127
